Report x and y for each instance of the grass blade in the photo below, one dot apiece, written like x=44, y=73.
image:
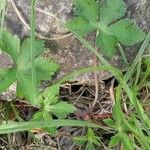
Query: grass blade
x=24, y=126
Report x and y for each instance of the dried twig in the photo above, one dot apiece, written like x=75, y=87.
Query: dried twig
x=111, y=91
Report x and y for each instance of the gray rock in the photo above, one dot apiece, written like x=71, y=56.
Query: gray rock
x=69, y=52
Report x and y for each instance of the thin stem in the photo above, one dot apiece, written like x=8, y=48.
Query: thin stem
x=123, y=55
x=138, y=72
x=95, y=76
x=88, y=46
x=32, y=50
x=3, y=7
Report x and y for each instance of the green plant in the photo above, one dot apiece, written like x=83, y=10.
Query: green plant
x=106, y=21
x=131, y=128
x=28, y=70
x=2, y=15
x=128, y=128
x=21, y=69
x=90, y=139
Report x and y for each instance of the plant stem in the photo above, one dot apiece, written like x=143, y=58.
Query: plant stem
x=95, y=76
x=123, y=55
x=32, y=50
x=2, y=9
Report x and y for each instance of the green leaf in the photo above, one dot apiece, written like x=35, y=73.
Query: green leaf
x=114, y=140
x=45, y=68
x=127, y=142
x=7, y=77
x=61, y=109
x=127, y=32
x=91, y=136
x=80, y=25
x=12, y=127
x=50, y=95
x=10, y=44
x=25, y=88
x=38, y=116
x=111, y=11
x=25, y=57
x=80, y=140
x=118, y=116
x=90, y=146
x=88, y=9
x=110, y=122
x=45, y=116
x=2, y=2
x=106, y=43
x=105, y=21
x=48, y=117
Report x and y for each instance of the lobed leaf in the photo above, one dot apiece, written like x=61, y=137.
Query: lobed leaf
x=25, y=57
x=50, y=95
x=10, y=44
x=107, y=43
x=80, y=25
x=7, y=77
x=127, y=32
x=45, y=68
x=111, y=11
x=88, y=9
x=25, y=88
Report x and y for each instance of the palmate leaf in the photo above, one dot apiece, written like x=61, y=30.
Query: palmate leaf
x=22, y=61
x=111, y=11
x=45, y=68
x=10, y=44
x=51, y=102
x=107, y=43
x=7, y=77
x=104, y=19
x=25, y=88
x=50, y=95
x=127, y=32
x=25, y=57
x=88, y=9
x=80, y=25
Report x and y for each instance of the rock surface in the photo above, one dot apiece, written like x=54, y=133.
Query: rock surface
x=68, y=52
